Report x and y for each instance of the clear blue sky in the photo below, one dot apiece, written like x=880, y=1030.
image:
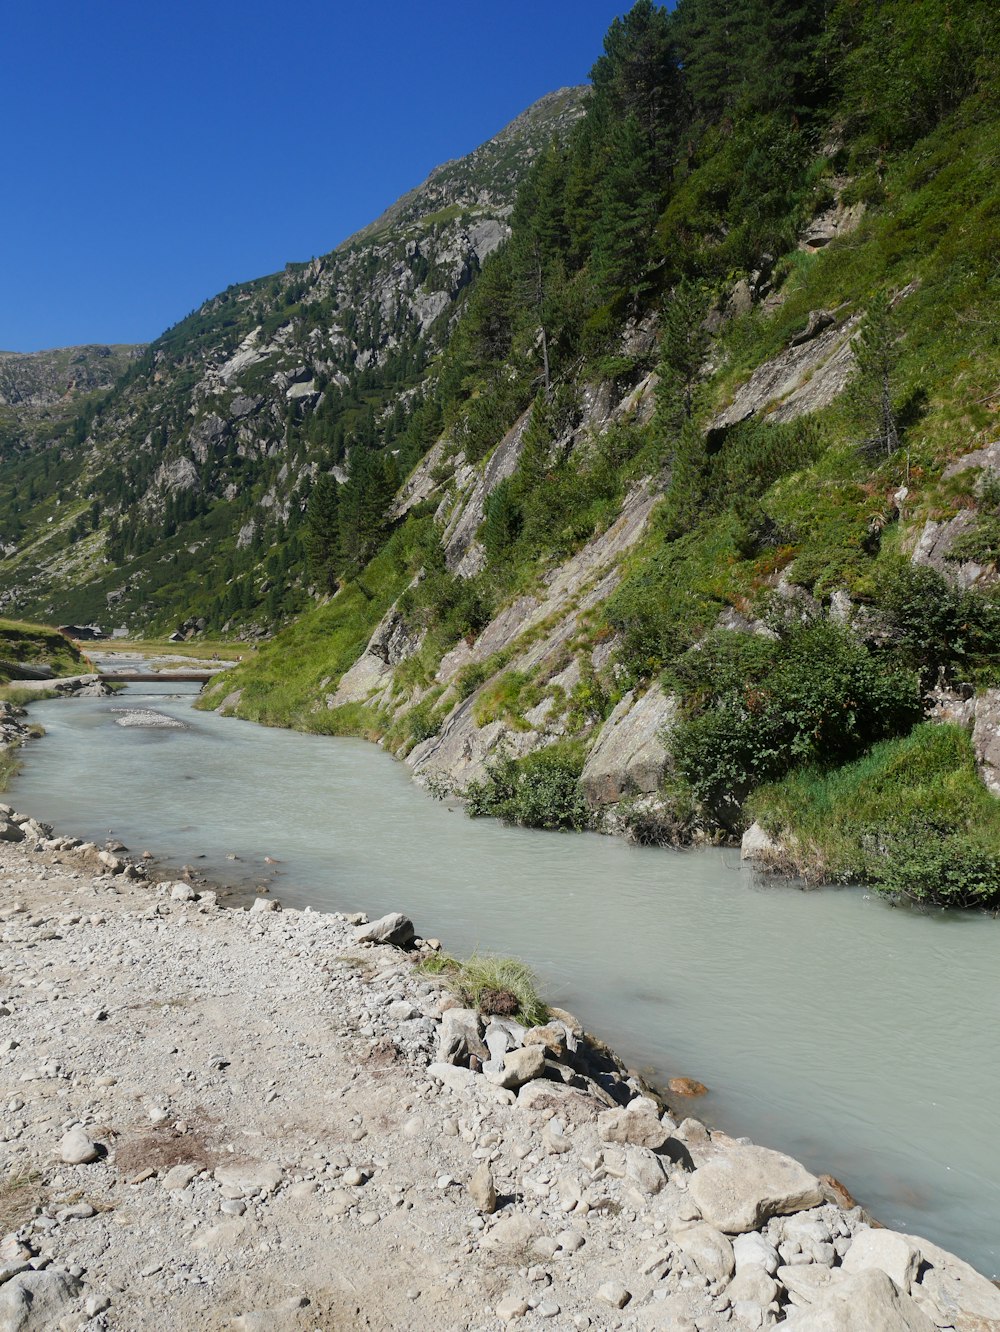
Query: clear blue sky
x=157, y=150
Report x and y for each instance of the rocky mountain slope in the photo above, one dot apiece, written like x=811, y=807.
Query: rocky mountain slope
x=212, y=437
x=688, y=530
x=42, y=393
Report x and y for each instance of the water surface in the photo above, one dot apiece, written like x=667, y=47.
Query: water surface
x=859, y=1037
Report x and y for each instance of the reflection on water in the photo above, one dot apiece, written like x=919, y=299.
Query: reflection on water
x=858, y=1037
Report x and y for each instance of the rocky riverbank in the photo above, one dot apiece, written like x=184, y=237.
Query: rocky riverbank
x=271, y=1119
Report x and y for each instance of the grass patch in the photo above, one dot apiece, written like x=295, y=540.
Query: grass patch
x=10, y=765
x=38, y=645
x=21, y=1193
x=492, y=985
x=911, y=817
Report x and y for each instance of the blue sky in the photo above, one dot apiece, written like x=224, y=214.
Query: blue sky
x=157, y=150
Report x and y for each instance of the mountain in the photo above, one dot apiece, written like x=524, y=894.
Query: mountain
x=41, y=393
x=210, y=439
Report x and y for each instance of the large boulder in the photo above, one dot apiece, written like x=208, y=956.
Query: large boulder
x=885, y=1251
x=868, y=1301
x=745, y=1187
x=964, y=1297
x=395, y=928
x=637, y=1124
x=36, y=1300
x=630, y=756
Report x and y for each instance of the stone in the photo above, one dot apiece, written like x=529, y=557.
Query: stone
x=482, y=1190
x=183, y=892
x=401, y=1010
x=456, y=1079
x=745, y=1187
x=686, y=1087
x=33, y=1300
x=968, y=1301
x=460, y=1036
x=520, y=1066
x=180, y=1176
x=249, y=1178
x=10, y=832
x=552, y=1037
x=753, y=1250
x=77, y=1147
x=708, y=1249
x=511, y=1307
x=752, y=1285
x=615, y=1294
x=889, y=1252
x=262, y=904
x=759, y=846
x=868, y=1300
x=645, y=1169
x=395, y=928
x=637, y=1123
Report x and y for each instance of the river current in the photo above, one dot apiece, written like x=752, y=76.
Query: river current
x=859, y=1037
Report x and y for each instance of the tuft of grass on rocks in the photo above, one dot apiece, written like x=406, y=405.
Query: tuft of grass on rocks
x=495, y=986
x=21, y=1193
x=10, y=764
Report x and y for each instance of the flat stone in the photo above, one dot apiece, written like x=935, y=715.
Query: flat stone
x=454, y=1077
x=249, y=1178
x=745, y=1187
x=180, y=1176
x=511, y=1307
x=967, y=1300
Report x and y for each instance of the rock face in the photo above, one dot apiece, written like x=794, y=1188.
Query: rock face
x=747, y=1186
x=630, y=755
x=868, y=1301
x=804, y=378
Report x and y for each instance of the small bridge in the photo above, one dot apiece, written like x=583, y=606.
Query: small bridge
x=156, y=677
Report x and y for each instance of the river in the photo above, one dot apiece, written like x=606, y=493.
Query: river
x=859, y=1037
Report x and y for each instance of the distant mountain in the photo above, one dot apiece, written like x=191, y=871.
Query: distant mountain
x=212, y=436
x=41, y=392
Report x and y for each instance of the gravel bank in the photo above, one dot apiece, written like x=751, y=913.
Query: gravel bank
x=252, y=1120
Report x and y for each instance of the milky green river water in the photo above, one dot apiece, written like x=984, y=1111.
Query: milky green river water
x=858, y=1037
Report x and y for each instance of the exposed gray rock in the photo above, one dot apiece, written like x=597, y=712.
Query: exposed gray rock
x=35, y=1301
x=889, y=1252
x=745, y=1186
x=708, y=1249
x=803, y=379
x=630, y=755
x=460, y=1036
x=760, y=847
x=869, y=1301
x=77, y=1147
x=964, y=1298
x=395, y=928
x=637, y=1123
x=461, y=530
x=986, y=738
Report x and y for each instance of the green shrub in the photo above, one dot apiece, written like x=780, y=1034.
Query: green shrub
x=541, y=790
x=936, y=627
x=757, y=707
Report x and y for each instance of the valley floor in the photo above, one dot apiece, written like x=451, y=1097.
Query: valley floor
x=230, y=1119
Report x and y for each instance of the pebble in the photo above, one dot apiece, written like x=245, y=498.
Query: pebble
x=614, y=1293
x=77, y=1147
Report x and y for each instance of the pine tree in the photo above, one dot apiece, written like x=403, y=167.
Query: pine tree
x=683, y=347
x=873, y=387
x=322, y=534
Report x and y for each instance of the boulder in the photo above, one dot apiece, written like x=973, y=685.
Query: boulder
x=395, y=928
x=77, y=1147
x=519, y=1067
x=10, y=831
x=759, y=846
x=709, y=1250
x=637, y=1123
x=966, y=1299
x=459, y=1038
x=754, y=1250
x=886, y=1251
x=746, y=1186
x=39, y=1300
x=629, y=756
x=867, y=1300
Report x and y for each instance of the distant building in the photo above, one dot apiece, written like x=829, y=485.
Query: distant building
x=86, y=632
